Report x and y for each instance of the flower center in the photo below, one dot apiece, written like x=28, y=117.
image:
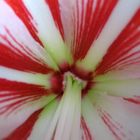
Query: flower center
x=58, y=79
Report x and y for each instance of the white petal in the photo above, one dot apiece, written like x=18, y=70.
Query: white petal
x=68, y=126
x=124, y=88
x=132, y=72
x=26, y=77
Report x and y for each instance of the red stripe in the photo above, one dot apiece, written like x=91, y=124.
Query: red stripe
x=9, y=91
x=113, y=126
x=22, y=12
x=121, y=49
x=55, y=10
x=133, y=100
x=90, y=28
x=86, y=131
x=20, y=61
x=24, y=131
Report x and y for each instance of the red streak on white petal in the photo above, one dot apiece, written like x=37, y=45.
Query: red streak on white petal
x=89, y=22
x=19, y=61
x=23, y=13
x=86, y=131
x=125, y=50
x=23, y=131
x=55, y=10
x=16, y=105
x=17, y=94
x=19, y=51
x=114, y=127
x=133, y=100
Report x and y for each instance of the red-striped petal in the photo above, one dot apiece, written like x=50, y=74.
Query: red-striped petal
x=49, y=29
x=20, y=61
x=118, y=20
x=13, y=95
x=9, y=123
x=115, y=118
x=125, y=50
x=83, y=21
x=23, y=131
x=55, y=10
x=19, y=49
x=22, y=12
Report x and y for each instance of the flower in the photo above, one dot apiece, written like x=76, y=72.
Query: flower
x=69, y=70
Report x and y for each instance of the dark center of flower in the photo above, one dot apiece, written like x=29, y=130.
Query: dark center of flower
x=58, y=79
